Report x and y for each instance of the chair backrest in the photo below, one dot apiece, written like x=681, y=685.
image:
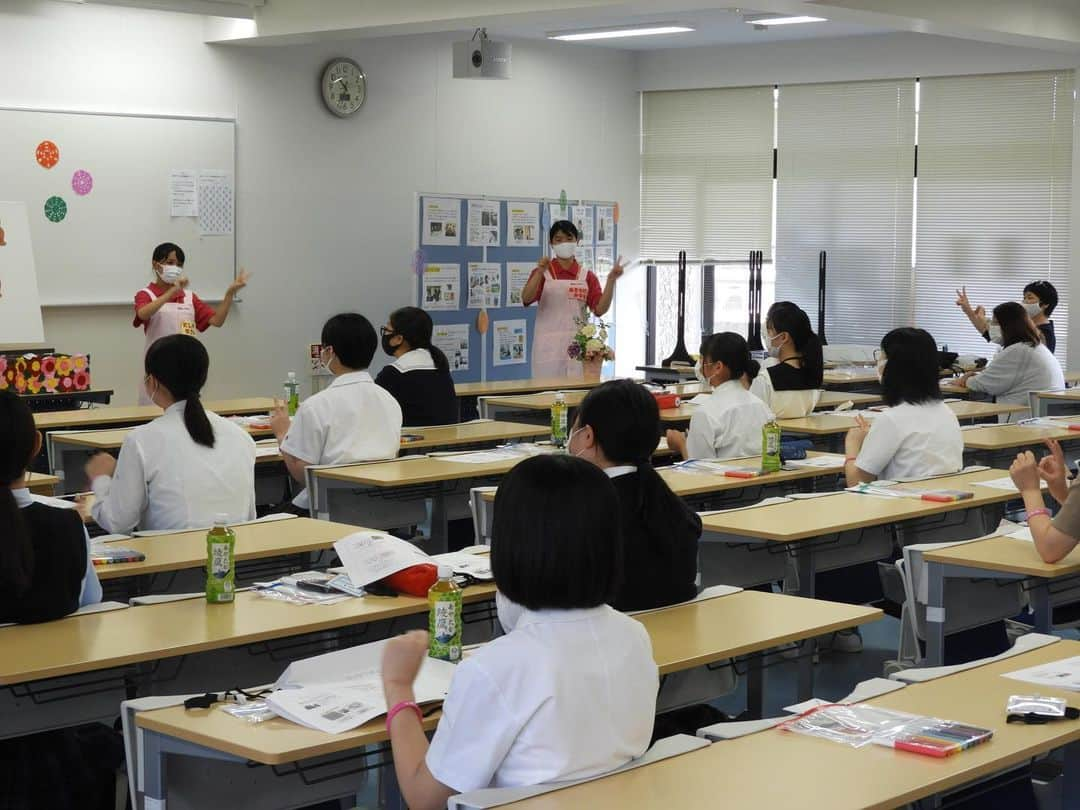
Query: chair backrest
x=483, y=513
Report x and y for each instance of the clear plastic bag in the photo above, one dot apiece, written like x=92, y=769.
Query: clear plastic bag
x=854, y=725
x=252, y=711
x=1036, y=704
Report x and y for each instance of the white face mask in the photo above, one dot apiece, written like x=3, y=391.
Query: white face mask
x=325, y=359
x=881, y=370
x=1033, y=309
x=995, y=334
x=774, y=347
x=509, y=612
x=565, y=250
x=699, y=374
x=170, y=273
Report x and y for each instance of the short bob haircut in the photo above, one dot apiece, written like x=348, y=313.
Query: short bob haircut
x=911, y=367
x=1016, y=326
x=566, y=228
x=1046, y=293
x=555, y=535
x=162, y=251
x=353, y=339
x=625, y=420
x=730, y=349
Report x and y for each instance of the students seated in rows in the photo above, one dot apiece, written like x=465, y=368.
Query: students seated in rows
x=1021, y=366
x=45, y=567
x=1054, y=537
x=617, y=428
x=419, y=378
x=352, y=420
x=727, y=424
x=791, y=382
x=1039, y=301
x=570, y=691
x=185, y=467
x=918, y=435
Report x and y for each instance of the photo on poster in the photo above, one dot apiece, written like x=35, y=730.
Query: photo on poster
x=523, y=227
x=453, y=340
x=441, y=221
x=605, y=225
x=484, y=223
x=485, y=285
x=517, y=276
x=440, y=286
x=582, y=217
x=511, y=339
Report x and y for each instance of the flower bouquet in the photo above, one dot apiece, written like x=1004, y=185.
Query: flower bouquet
x=589, y=346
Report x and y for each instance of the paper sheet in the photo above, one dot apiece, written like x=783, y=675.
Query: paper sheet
x=605, y=225
x=582, y=217
x=523, y=228
x=453, y=340
x=485, y=285
x=817, y=462
x=267, y=450
x=585, y=257
x=481, y=456
x=517, y=276
x=1022, y=534
x=215, y=190
x=477, y=566
x=484, y=223
x=183, y=193
x=441, y=286
x=510, y=339
x=369, y=556
x=441, y=221
x=55, y=503
x=1063, y=674
x=1005, y=483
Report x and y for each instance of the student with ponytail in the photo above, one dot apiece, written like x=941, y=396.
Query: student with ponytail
x=727, y=424
x=617, y=429
x=419, y=378
x=184, y=468
x=791, y=384
x=45, y=568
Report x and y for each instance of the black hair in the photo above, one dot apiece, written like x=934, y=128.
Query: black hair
x=180, y=363
x=1016, y=325
x=566, y=228
x=353, y=339
x=784, y=316
x=1046, y=293
x=731, y=350
x=17, y=439
x=415, y=327
x=911, y=367
x=555, y=534
x=162, y=251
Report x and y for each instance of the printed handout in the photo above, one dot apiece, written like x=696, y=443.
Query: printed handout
x=517, y=276
x=453, y=340
x=441, y=222
x=523, y=228
x=485, y=285
x=484, y=223
x=440, y=286
x=510, y=339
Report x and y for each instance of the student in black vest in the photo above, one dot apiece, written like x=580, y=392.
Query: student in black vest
x=45, y=570
x=617, y=428
x=419, y=378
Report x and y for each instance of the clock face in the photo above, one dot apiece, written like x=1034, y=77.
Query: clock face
x=343, y=87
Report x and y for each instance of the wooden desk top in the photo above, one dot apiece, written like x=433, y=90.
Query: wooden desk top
x=544, y=401
x=801, y=519
x=96, y=641
x=406, y=471
x=1009, y=555
x=682, y=637
x=828, y=424
x=784, y=771
x=42, y=484
x=176, y=552
x=861, y=376
x=497, y=387
x=137, y=414
x=1004, y=437
x=1067, y=395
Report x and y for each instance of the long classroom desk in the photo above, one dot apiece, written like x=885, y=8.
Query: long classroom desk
x=784, y=771
x=1063, y=401
x=85, y=418
x=42, y=484
x=683, y=637
x=1004, y=558
x=998, y=444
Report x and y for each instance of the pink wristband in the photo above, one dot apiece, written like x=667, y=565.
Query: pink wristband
x=405, y=704
x=1037, y=512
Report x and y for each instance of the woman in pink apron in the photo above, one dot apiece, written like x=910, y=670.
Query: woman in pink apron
x=566, y=292
x=167, y=307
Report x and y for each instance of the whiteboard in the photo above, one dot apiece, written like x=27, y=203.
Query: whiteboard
x=20, y=315
x=99, y=253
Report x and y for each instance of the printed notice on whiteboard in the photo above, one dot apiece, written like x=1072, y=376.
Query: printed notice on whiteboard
x=523, y=228
x=453, y=340
x=441, y=286
x=510, y=341
x=582, y=217
x=605, y=225
x=442, y=221
x=517, y=276
x=183, y=193
x=215, y=201
x=485, y=285
x=484, y=223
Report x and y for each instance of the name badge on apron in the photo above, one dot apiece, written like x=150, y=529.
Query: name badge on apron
x=578, y=291
x=188, y=328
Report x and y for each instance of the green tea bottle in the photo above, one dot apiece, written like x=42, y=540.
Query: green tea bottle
x=770, y=447
x=444, y=617
x=558, y=420
x=220, y=562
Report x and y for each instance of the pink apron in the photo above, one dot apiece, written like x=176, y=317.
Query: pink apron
x=171, y=319
x=561, y=302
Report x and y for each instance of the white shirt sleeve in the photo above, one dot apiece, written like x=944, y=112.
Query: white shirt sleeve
x=880, y=445
x=1000, y=374
x=306, y=439
x=475, y=732
x=701, y=437
x=91, y=586
x=121, y=500
x=762, y=388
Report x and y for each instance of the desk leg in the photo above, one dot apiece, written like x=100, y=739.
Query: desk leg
x=935, y=614
x=1040, y=607
x=153, y=768
x=755, y=687
x=807, y=570
x=1071, y=788
x=439, y=525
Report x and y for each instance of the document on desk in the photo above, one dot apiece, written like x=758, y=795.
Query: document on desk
x=479, y=456
x=824, y=461
x=1005, y=483
x=1063, y=674
x=371, y=556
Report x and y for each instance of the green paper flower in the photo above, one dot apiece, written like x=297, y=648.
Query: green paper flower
x=55, y=209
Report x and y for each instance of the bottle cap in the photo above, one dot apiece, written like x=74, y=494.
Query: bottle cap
x=221, y=519
x=560, y=396
x=445, y=572
x=292, y=376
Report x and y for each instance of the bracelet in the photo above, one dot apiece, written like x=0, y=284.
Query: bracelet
x=1037, y=512
x=849, y=459
x=405, y=704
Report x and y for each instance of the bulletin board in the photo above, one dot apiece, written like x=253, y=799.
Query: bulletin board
x=483, y=263
x=97, y=189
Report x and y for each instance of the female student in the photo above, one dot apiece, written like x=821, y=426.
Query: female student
x=1040, y=299
x=617, y=428
x=419, y=378
x=187, y=466
x=167, y=307
x=791, y=384
x=45, y=567
x=570, y=691
x=918, y=435
x=1022, y=365
x=352, y=420
x=564, y=290
x=727, y=424
x=1054, y=537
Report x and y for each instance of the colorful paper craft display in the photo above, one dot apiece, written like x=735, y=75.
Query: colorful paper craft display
x=47, y=154
x=82, y=182
x=45, y=374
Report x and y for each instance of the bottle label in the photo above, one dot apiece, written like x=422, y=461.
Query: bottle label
x=220, y=560
x=772, y=442
x=445, y=621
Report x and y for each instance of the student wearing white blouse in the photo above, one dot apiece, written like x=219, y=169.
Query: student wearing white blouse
x=1023, y=364
x=184, y=468
x=790, y=382
x=728, y=423
x=570, y=691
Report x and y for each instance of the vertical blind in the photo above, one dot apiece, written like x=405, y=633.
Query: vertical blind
x=706, y=173
x=995, y=170
x=846, y=155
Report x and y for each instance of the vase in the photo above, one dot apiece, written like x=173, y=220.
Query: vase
x=591, y=368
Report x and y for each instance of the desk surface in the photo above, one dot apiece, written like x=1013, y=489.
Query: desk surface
x=137, y=414
x=1006, y=554
x=682, y=637
x=496, y=387
x=176, y=552
x=42, y=484
x=408, y=471
x=828, y=424
x=1067, y=395
x=784, y=771
x=843, y=511
x=1004, y=437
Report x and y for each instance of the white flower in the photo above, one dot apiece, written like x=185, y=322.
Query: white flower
x=588, y=330
x=594, y=345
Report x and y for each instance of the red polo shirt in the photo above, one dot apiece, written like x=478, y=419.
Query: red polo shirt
x=592, y=298
x=203, y=311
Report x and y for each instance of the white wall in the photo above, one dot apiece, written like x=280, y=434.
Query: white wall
x=324, y=206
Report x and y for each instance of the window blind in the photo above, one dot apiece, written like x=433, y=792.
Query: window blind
x=706, y=173
x=846, y=162
x=995, y=171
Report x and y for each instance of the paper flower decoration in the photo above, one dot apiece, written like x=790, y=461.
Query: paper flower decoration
x=82, y=182
x=47, y=154
x=55, y=209
x=51, y=383
x=48, y=366
x=64, y=365
x=82, y=380
x=33, y=385
x=79, y=361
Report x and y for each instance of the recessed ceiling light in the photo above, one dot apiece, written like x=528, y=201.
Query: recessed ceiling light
x=782, y=20
x=647, y=30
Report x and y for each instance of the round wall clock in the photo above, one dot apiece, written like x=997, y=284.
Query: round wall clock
x=344, y=87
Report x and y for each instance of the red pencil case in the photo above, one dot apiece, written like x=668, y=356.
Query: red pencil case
x=666, y=401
